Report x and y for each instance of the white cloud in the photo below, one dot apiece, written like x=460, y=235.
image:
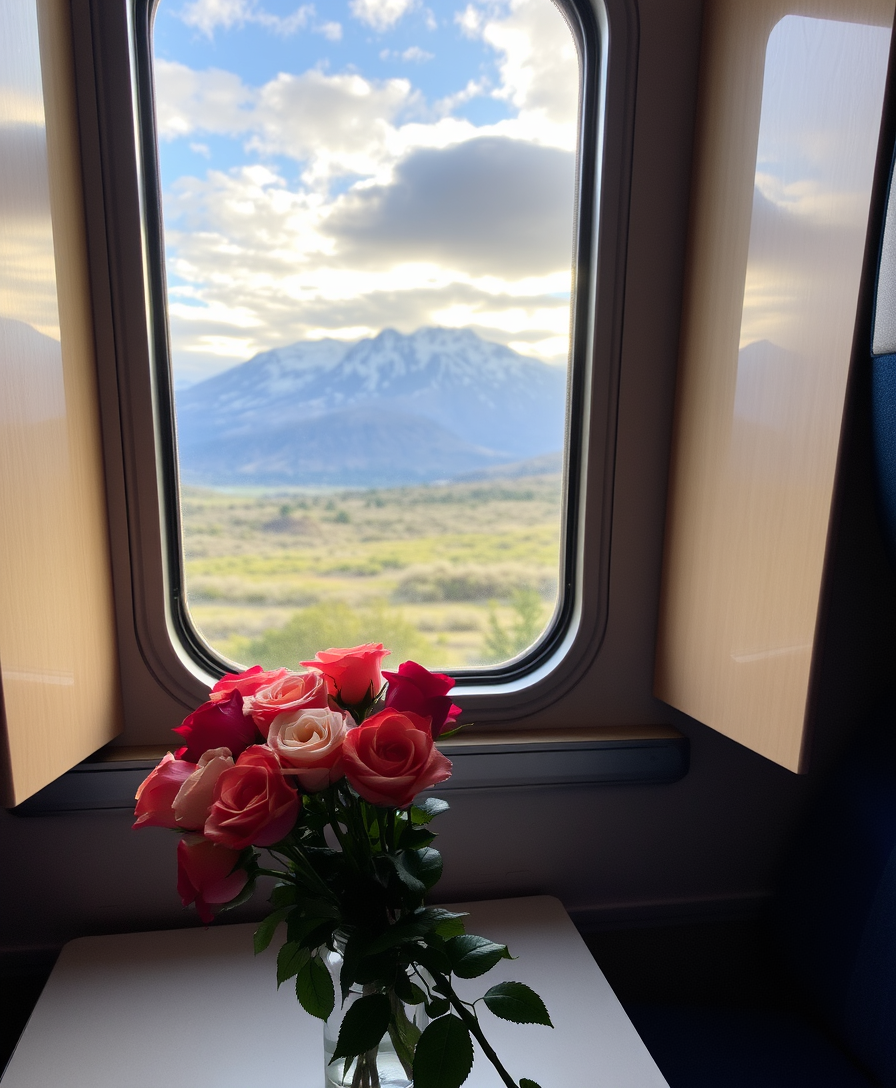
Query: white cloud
x=208, y=15
x=403, y=214
x=415, y=53
x=188, y=101
x=380, y=14
x=331, y=31
x=539, y=64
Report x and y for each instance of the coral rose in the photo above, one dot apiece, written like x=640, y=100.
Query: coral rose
x=353, y=676
x=423, y=692
x=391, y=757
x=291, y=692
x=246, y=683
x=206, y=874
x=220, y=724
x=194, y=798
x=308, y=744
x=156, y=793
x=253, y=803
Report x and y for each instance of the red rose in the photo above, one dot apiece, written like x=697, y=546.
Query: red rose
x=206, y=874
x=246, y=683
x=291, y=692
x=423, y=692
x=220, y=724
x=353, y=676
x=391, y=757
x=253, y=804
x=156, y=793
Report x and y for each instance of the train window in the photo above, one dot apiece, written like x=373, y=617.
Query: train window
x=368, y=243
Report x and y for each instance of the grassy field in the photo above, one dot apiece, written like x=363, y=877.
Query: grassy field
x=452, y=575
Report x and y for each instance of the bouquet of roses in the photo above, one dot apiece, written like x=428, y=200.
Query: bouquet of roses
x=321, y=769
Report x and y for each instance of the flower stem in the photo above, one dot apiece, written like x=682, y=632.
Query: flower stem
x=472, y=1022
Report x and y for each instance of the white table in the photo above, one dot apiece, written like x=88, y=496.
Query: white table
x=193, y=1008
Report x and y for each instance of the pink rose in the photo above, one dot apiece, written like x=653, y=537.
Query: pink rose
x=308, y=744
x=246, y=683
x=290, y=692
x=194, y=798
x=391, y=757
x=353, y=676
x=156, y=793
x=220, y=724
x=423, y=692
x=206, y=874
x=252, y=802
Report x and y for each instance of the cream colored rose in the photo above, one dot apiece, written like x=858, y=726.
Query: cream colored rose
x=194, y=798
x=308, y=743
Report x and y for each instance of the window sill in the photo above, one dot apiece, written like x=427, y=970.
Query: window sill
x=622, y=755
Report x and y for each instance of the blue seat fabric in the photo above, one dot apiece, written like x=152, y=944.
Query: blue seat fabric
x=837, y=909
x=883, y=424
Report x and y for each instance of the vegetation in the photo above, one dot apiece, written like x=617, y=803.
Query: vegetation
x=452, y=575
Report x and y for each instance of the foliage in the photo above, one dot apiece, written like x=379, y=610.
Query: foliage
x=369, y=894
x=337, y=624
x=443, y=552
x=503, y=643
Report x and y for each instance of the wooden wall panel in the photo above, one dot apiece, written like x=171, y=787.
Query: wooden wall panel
x=58, y=660
x=775, y=259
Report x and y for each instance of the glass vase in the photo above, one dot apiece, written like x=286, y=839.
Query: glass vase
x=386, y=1065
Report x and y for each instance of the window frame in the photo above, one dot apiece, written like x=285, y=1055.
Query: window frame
x=124, y=218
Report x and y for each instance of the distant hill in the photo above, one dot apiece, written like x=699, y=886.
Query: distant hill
x=384, y=411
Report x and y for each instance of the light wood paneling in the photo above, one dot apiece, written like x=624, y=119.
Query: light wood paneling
x=58, y=659
x=757, y=430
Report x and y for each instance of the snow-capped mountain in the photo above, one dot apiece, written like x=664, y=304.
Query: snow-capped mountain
x=383, y=411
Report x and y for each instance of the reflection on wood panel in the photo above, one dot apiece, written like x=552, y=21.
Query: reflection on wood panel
x=791, y=104
x=57, y=652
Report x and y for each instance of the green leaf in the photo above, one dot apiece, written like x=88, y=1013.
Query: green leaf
x=427, y=810
x=451, y=927
x=526, y=1083
x=435, y=960
x=444, y=1054
x=290, y=959
x=407, y=991
x=319, y=908
x=424, y=865
x=314, y=988
x=437, y=1007
x=363, y=1025
x=411, y=928
x=472, y=956
x=516, y=1002
x=415, y=838
x=416, y=887
x=309, y=932
x=265, y=932
x=242, y=897
x=283, y=895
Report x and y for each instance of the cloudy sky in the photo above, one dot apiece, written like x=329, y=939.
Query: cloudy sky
x=821, y=105
x=334, y=169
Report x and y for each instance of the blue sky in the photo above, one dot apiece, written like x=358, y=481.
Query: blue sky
x=333, y=169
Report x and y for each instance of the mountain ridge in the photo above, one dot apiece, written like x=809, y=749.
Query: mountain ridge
x=457, y=404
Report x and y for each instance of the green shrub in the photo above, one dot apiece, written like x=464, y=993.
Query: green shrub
x=476, y=582
x=335, y=623
x=503, y=643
